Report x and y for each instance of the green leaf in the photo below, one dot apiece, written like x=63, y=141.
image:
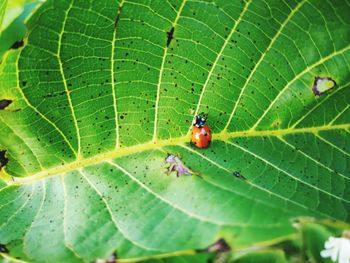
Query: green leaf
x=315, y=237
x=268, y=256
x=198, y=258
x=3, y=5
x=103, y=91
x=14, y=9
x=14, y=33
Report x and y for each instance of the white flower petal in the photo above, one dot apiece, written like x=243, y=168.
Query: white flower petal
x=332, y=242
x=332, y=248
x=334, y=255
x=329, y=243
x=326, y=253
x=337, y=248
x=344, y=253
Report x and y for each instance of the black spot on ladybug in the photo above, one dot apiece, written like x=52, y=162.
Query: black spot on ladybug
x=4, y=103
x=170, y=36
x=17, y=44
x=3, y=249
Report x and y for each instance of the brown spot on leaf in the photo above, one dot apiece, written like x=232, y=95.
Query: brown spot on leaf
x=4, y=103
x=17, y=44
x=219, y=246
x=111, y=259
x=3, y=249
x=170, y=36
x=118, y=17
x=3, y=159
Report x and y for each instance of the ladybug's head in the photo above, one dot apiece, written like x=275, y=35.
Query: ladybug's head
x=199, y=120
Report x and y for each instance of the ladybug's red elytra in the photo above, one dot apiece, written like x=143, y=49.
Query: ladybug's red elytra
x=201, y=133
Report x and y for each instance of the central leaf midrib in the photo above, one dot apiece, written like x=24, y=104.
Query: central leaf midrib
x=119, y=152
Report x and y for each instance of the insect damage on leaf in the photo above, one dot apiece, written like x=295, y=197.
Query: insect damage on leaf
x=3, y=159
x=111, y=259
x=4, y=103
x=118, y=17
x=323, y=84
x=219, y=246
x=170, y=35
x=3, y=249
x=176, y=165
x=17, y=44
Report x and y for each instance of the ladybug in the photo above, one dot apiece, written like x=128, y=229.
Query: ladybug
x=201, y=133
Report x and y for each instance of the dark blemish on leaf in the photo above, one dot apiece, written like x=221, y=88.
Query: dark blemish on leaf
x=239, y=175
x=3, y=249
x=219, y=246
x=118, y=17
x=111, y=259
x=170, y=35
x=3, y=159
x=17, y=44
x=4, y=103
x=323, y=84
x=24, y=83
x=176, y=165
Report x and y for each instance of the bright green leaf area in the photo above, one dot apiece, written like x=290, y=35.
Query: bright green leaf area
x=269, y=256
x=101, y=95
x=13, y=9
x=200, y=258
x=16, y=30
x=315, y=237
x=3, y=5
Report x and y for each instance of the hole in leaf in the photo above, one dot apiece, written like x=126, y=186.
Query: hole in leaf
x=3, y=249
x=322, y=85
x=4, y=103
x=17, y=44
x=3, y=159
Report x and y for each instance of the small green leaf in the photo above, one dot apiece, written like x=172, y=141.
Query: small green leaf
x=13, y=10
x=198, y=258
x=315, y=237
x=273, y=256
x=12, y=36
x=3, y=5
